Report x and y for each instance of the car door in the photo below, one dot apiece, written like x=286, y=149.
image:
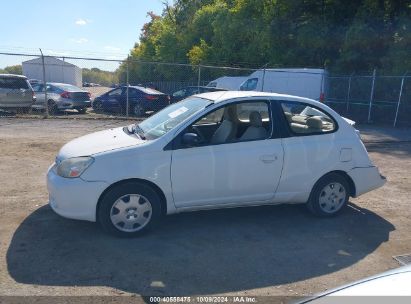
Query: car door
x=113, y=98
x=235, y=172
x=311, y=148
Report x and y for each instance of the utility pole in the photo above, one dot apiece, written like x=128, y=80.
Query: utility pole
x=46, y=106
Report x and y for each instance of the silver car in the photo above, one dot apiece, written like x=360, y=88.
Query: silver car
x=16, y=93
x=61, y=96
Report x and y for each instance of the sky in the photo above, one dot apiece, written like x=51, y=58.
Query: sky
x=79, y=28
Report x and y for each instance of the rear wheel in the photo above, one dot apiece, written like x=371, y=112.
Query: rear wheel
x=329, y=195
x=138, y=110
x=52, y=107
x=129, y=209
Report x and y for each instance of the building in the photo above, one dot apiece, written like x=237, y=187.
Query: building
x=56, y=71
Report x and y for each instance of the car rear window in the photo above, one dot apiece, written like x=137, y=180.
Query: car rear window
x=149, y=91
x=13, y=83
x=68, y=87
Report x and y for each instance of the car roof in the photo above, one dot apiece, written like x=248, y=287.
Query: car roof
x=146, y=90
x=13, y=76
x=220, y=96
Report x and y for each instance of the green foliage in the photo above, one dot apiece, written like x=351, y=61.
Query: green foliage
x=342, y=35
x=101, y=77
x=13, y=69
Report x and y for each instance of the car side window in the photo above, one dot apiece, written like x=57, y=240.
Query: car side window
x=133, y=93
x=180, y=93
x=238, y=122
x=304, y=119
x=116, y=92
x=249, y=85
x=37, y=87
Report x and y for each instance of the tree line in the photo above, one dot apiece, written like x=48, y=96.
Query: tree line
x=344, y=36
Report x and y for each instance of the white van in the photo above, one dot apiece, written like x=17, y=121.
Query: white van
x=228, y=82
x=309, y=83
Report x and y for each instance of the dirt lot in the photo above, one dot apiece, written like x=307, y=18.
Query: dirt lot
x=275, y=250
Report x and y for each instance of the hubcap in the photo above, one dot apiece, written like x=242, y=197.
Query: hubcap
x=131, y=212
x=138, y=110
x=332, y=197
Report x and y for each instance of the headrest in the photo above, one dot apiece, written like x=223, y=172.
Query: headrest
x=289, y=116
x=315, y=123
x=255, y=119
x=230, y=113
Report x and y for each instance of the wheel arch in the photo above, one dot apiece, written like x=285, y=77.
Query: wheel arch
x=156, y=188
x=345, y=175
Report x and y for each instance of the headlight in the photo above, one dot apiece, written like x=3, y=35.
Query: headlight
x=74, y=167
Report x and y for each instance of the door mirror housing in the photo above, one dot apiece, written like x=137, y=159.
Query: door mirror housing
x=190, y=139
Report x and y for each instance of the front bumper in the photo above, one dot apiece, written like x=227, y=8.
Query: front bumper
x=366, y=179
x=74, y=198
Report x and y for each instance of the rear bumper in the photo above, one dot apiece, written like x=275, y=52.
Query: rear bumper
x=366, y=179
x=73, y=104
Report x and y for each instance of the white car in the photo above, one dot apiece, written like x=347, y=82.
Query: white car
x=393, y=285
x=213, y=150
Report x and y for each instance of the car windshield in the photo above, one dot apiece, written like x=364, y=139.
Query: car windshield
x=165, y=120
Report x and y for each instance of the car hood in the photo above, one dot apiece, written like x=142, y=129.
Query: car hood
x=98, y=142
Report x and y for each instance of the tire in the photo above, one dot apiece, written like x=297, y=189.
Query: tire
x=52, y=107
x=24, y=110
x=119, y=214
x=98, y=106
x=138, y=110
x=82, y=110
x=329, y=195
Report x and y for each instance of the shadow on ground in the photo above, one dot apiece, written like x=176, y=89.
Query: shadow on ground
x=195, y=253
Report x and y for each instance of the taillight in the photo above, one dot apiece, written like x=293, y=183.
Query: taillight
x=33, y=96
x=65, y=94
x=151, y=97
x=89, y=95
x=322, y=97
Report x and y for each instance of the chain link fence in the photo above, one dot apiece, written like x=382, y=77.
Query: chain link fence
x=67, y=86
x=371, y=98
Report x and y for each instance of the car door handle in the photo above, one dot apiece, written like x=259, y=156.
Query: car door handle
x=268, y=158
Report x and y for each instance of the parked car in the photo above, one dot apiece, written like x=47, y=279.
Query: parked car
x=191, y=90
x=212, y=151
x=61, y=96
x=34, y=81
x=141, y=100
x=16, y=93
x=392, y=283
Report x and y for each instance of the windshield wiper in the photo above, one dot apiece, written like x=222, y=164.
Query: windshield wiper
x=139, y=131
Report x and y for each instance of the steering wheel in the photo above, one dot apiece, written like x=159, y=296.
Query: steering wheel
x=200, y=134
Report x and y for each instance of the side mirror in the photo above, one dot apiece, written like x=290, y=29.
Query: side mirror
x=190, y=139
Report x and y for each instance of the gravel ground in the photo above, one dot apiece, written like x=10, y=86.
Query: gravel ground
x=271, y=250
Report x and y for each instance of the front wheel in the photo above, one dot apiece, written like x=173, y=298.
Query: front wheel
x=329, y=195
x=129, y=209
x=98, y=106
